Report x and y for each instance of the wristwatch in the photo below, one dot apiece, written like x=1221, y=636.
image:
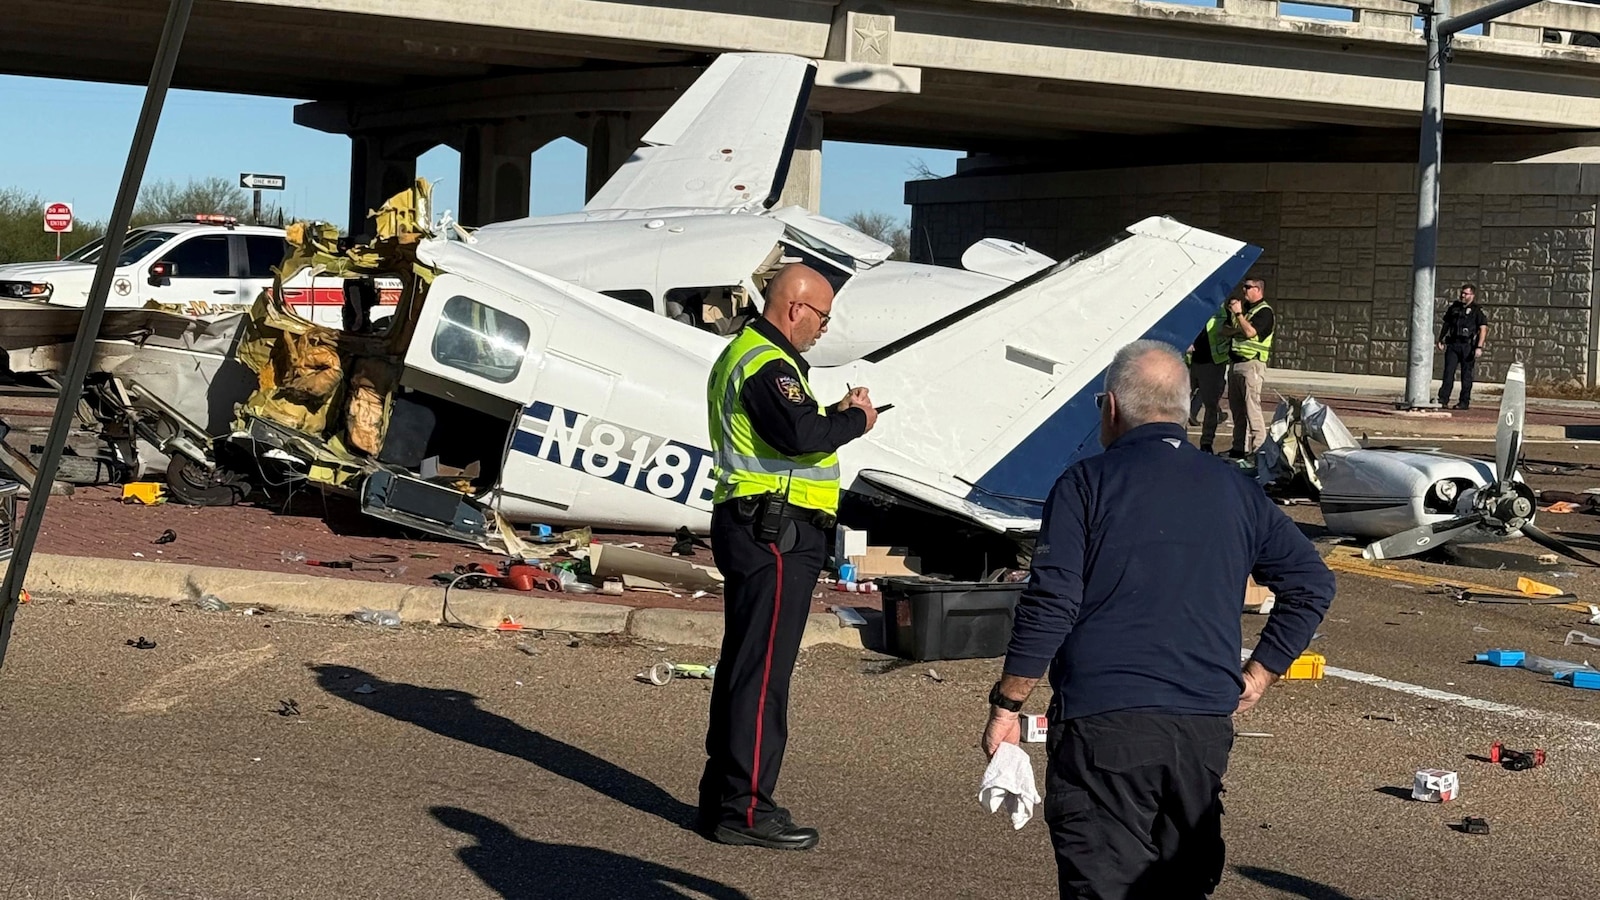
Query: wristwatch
x=1002, y=701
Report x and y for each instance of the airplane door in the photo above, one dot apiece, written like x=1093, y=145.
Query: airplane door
x=477, y=346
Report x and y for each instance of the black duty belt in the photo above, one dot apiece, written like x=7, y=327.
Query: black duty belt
x=817, y=517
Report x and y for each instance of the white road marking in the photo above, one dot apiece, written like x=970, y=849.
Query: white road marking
x=1489, y=706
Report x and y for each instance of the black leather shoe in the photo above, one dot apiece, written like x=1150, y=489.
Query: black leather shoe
x=1462, y=406
x=1206, y=448
x=773, y=834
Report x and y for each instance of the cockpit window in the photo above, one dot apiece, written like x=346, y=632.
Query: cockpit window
x=480, y=339
x=820, y=260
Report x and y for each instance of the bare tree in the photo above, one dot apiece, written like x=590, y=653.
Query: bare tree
x=168, y=201
x=883, y=227
x=919, y=170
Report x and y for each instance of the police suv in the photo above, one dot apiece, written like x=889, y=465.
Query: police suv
x=203, y=265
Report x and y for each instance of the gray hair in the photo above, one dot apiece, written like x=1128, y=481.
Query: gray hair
x=1151, y=383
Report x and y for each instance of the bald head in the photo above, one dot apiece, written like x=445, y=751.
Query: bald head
x=799, y=304
x=1148, y=383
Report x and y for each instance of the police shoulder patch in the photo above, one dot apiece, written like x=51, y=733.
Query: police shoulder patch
x=791, y=390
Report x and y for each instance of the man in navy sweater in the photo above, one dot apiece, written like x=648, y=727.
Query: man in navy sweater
x=1134, y=606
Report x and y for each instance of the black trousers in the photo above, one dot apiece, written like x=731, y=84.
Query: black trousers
x=1457, y=355
x=766, y=599
x=1133, y=802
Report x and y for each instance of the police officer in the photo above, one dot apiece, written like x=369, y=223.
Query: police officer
x=776, y=497
x=1208, y=375
x=1461, y=337
x=1250, y=325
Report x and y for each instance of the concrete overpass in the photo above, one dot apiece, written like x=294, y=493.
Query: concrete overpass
x=1085, y=79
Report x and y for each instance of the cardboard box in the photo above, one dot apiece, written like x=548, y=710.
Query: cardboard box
x=848, y=543
x=1435, y=786
x=1034, y=728
x=883, y=562
x=1257, y=598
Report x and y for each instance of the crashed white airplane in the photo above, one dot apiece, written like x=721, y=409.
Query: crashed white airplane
x=497, y=394
x=1406, y=502
x=686, y=225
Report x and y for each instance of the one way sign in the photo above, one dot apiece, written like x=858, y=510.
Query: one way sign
x=262, y=182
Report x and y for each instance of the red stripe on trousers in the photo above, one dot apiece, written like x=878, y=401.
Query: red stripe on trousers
x=761, y=705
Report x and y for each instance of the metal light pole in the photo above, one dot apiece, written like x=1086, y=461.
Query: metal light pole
x=93, y=313
x=1425, y=252
x=1438, y=27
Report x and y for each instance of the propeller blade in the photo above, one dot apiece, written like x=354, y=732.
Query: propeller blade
x=1419, y=539
x=1508, y=431
x=1544, y=538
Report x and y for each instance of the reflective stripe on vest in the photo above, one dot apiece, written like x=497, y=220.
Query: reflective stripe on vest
x=746, y=464
x=1258, y=348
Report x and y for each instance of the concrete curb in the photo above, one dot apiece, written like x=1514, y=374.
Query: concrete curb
x=88, y=578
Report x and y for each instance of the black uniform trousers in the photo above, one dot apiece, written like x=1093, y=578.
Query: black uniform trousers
x=1457, y=354
x=766, y=599
x=1133, y=803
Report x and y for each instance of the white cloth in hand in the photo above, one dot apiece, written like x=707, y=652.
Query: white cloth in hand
x=1008, y=782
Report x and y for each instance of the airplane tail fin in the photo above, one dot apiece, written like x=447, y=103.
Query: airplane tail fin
x=995, y=400
x=725, y=144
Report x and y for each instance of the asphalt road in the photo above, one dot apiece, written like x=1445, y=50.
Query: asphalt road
x=269, y=757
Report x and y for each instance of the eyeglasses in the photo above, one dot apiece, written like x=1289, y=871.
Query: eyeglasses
x=1100, y=399
x=821, y=316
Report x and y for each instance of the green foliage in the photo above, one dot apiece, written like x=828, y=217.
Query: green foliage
x=22, y=234
x=885, y=228
x=23, y=238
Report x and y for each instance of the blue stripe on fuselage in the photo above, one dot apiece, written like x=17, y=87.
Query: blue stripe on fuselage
x=1025, y=476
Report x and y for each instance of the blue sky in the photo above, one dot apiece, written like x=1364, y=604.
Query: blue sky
x=204, y=134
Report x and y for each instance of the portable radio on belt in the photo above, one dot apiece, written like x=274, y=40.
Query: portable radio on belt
x=769, y=522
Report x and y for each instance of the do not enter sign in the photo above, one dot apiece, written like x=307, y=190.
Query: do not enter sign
x=58, y=218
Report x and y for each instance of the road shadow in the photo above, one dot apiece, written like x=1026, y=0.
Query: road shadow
x=517, y=868
x=1403, y=793
x=456, y=715
x=1293, y=885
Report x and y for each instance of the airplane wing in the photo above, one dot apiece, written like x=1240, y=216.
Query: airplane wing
x=993, y=402
x=726, y=143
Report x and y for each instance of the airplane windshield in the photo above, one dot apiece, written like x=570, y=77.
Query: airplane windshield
x=821, y=261
x=140, y=242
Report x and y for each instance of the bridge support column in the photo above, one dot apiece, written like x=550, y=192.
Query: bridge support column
x=496, y=171
x=377, y=172
x=804, y=184
x=612, y=138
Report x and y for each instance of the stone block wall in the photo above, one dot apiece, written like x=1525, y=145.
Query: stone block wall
x=1337, y=245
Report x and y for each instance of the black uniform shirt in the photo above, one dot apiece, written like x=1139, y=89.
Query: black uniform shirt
x=1461, y=324
x=785, y=415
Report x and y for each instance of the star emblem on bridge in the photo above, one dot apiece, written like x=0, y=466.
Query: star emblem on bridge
x=871, y=38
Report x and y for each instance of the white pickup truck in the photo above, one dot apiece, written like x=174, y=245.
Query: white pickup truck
x=202, y=266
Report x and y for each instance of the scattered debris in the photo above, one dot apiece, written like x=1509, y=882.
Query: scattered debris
x=1515, y=760
x=138, y=554
x=1308, y=667
x=1472, y=825
x=141, y=643
x=856, y=587
x=1587, y=679
x=1378, y=717
x=1479, y=629
x=145, y=493
x=685, y=542
x=365, y=689
x=849, y=618
x=934, y=674
x=1578, y=637
x=166, y=537
x=1035, y=728
x=1561, y=507
x=1538, y=589
x=528, y=649
x=1548, y=559
x=424, y=556
x=288, y=708
x=256, y=610
x=663, y=673
x=1435, y=786
x=212, y=603
x=1253, y=734
x=388, y=618
x=1594, y=614
x=640, y=570
x=612, y=587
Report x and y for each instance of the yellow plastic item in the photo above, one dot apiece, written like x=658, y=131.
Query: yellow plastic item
x=1308, y=667
x=1537, y=588
x=149, y=493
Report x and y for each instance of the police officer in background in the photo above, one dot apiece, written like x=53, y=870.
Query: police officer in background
x=1208, y=375
x=776, y=497
x=1250, y=324
x=1461, y=337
